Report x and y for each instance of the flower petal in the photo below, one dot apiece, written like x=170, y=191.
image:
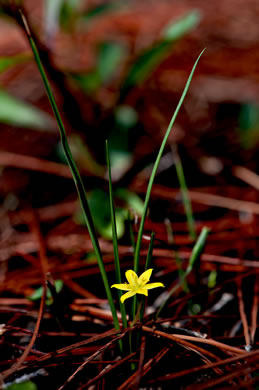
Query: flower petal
x=144, y=278
x=122, y=286
x=142, y=291
x=149, y=286
x=131, y=277
x=128, y=294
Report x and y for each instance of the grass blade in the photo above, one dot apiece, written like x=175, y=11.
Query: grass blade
x=76, y=176
x=184, y=191
x=150, y=251
x=197, y=249
x=147, y=266
x=131, y=233
x=115, y=239
x=176, y=256
x=152, y=177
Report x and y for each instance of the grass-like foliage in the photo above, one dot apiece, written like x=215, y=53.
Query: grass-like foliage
x=76, y=176
x=140, y=284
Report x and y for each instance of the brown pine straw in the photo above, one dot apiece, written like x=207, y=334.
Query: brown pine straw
x=242, y=312
x=34, y=164
x=141, y=361
x=107, y=370
x=254, y=310
x=236, y=373
x=185, y=344
x=192, y=370
x=181, y=340
x=247, y=176
x=203, y=198
x=65, y=350
x=130, y=382
x=93, y=356
x=44, y=268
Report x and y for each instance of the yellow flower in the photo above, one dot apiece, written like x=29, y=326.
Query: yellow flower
x=136, y=285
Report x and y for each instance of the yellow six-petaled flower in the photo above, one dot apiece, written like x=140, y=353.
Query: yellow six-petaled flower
x=136, y=285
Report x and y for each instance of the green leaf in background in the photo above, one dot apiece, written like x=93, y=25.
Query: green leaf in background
x=22, y=386
x=249, y=125
x=177, y=29
x=88, y=82
x=110, y=56
x=100, y=209
x=145, y=64
x=37, y=294
x=68, y=13
x=212, y=279
x=121, y=161
x=131, y=199
x=59, y=13
x=100, y=10
x=18, y=113
x=8, y=62
x=148, y=61
x=125, y=116
x=81, y=155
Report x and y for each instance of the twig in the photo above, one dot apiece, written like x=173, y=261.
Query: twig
x=247, y=176
x=243, y=313
x=180, y=338
x=254, y=310
x=205, y=198
x=34, y=164
x=185, y=344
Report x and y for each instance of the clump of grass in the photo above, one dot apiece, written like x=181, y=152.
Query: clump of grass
x=86, y=210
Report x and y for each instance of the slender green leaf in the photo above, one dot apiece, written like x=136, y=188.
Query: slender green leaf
x=76, y=176
x=115, y=239
x=197, y=249
x=152, y=177
x=150, y=251
x=178, y=260
x=184, y=192
x=147, y=266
